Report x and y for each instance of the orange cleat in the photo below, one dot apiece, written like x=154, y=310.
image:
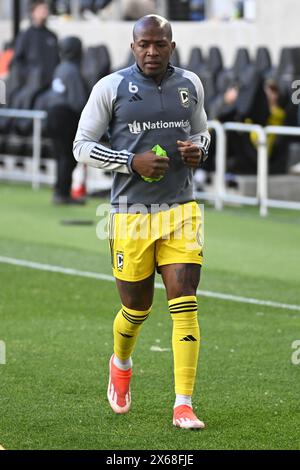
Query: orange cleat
x=184, y=417
x=79, y=192
x=118, y=392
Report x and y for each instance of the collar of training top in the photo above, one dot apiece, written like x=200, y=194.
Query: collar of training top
x=170, y=70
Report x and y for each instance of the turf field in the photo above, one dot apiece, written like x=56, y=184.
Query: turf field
x=57, y=329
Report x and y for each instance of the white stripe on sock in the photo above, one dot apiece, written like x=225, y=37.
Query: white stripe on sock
x=183, y=400
x=123, y=365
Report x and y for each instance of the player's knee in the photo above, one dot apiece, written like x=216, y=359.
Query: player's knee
x=138, y=304
x=137, y=295
x=138, y=300
x=182, y=291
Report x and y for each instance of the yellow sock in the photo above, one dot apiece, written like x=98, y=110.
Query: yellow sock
x=127, y=325
x=185, y=342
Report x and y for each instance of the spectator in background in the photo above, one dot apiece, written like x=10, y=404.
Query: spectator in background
x=68, y=87
x=277, y=114
x=37, y=46
x=223, y=106
x=264, y=108
x=64, y=102
x=252, y=100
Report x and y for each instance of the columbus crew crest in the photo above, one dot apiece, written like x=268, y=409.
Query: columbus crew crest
x=184, y=97
x=120, y=260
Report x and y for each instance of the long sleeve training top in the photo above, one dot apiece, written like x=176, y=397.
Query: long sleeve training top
x=138, y=114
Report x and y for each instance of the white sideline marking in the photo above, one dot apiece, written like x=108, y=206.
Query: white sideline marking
x=106, y=277
x=159, y=349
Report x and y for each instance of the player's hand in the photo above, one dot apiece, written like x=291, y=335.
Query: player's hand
x=150, y=165
x=190, y=153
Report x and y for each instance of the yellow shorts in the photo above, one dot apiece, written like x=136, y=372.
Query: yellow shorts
x=141, y=242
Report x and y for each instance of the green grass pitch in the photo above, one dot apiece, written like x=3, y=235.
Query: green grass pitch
x=58, y=334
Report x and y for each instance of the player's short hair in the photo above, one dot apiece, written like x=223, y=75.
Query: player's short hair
x=156, y=20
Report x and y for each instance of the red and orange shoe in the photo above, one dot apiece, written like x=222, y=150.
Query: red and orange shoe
x=184, y=417
x=79, y=192
x=118, y=392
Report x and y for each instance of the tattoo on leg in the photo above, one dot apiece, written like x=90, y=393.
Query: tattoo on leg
x=188, y=275
x=180, y=274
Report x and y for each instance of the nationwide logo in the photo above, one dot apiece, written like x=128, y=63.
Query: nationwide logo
x=138, y=127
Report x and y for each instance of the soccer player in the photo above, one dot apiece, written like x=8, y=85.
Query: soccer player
x=144, y=105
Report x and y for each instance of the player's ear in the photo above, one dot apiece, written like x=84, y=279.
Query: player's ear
x=132, y=46
x=173, y=45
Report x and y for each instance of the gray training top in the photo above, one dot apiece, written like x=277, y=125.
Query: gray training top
x=139, y=114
